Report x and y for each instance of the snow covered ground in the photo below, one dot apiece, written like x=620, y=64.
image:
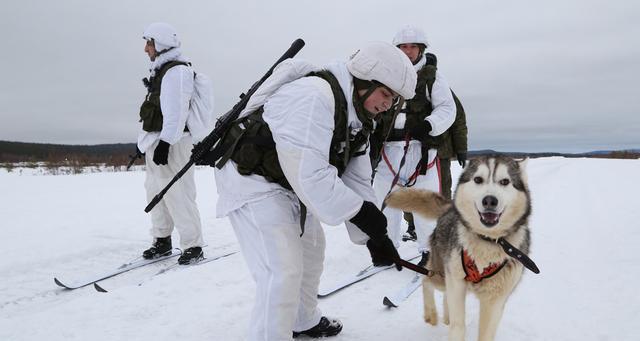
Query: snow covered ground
x=585, y=232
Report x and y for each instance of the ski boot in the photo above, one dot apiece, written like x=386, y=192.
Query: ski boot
x=191, y=255
x=410, y=235
x=326, y=327
x=161, y=247
x=425, y=258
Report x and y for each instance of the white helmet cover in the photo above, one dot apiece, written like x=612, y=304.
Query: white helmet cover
x=410, y=35
x=163, y=34
x=386, y=64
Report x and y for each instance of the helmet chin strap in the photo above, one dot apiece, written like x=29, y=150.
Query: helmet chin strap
x=164, y=51
x=363, y=98
x=371, y=87
x=418, y=58
x=420, y=55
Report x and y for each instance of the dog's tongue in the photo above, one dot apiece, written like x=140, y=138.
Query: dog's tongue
x=490, y=217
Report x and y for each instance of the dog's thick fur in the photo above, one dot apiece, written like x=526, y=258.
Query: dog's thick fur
x=491, y=201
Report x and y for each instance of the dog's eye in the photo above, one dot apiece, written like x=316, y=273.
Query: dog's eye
x=477, y=180
x=505, y=182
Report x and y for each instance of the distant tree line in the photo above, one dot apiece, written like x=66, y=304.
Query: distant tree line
x=616, y=154
x=116, y=155
x=55, y=155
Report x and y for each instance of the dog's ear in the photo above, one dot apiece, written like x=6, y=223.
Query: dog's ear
x=522, y=164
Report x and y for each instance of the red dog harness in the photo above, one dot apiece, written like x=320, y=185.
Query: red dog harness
x=471, y=270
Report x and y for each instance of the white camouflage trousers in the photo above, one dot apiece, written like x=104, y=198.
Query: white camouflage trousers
x=285, y=266
x=178, y=207
x=384, y=177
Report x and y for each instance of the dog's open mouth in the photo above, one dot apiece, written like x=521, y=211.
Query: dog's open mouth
x=490, y=219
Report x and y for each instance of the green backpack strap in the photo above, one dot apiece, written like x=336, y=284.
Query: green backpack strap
x=340, y=149
x=157, y=78
x=428, y=71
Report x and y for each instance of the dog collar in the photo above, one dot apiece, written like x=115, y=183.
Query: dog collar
x=512, y=251
x=471, y=270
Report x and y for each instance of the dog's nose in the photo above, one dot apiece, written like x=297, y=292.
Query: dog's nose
x=490, y=202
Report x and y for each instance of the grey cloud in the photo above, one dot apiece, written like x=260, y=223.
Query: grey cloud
x=534, y=76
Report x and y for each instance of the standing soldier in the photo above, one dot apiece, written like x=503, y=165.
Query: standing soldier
x=408, y=156
x=453, y=143
x=299, y=159
x=167, y=144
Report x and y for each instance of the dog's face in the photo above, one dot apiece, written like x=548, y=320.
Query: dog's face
x=492, y=195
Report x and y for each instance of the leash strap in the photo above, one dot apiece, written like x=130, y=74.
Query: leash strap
x=414, y=267
x=397, y=176
x=518, y=255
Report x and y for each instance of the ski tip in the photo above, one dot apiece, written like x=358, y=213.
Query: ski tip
x=60, y=283
x=386, y=301
x=99, y=288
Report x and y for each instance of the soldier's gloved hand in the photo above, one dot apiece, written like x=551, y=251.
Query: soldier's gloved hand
x=161, y=153
x=462, y=159
x=374, y=224
x=383, y=252
x=207, y=159
x=420, y=130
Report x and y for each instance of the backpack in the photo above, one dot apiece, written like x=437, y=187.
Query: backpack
x=201, y=118
x=249, y=142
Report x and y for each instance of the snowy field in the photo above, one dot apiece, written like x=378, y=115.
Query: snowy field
x=585, y=231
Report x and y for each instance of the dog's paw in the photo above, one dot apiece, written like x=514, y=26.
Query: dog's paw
x=431, y=317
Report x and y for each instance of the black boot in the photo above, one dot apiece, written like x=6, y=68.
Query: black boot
x=326, y=327
x=410, y=235
x=425, y=258
x=161, y=247
x=191, y=255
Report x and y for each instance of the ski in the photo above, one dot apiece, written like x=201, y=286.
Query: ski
x=362, y=274
x=173, y=267
x=133, y=264
x=394, y=300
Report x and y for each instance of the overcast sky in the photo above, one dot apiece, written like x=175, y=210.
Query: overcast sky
x=532, y=75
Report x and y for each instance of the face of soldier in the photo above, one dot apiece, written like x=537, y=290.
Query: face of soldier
x=150, y=49
x=380, y=100
x=411, y=50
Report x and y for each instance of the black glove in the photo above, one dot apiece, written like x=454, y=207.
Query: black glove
x=374, y=224
x=420, y=130
x=161, y=154
x=383, y=252
x=139, y=154
x=207, y=159
x=462, y=159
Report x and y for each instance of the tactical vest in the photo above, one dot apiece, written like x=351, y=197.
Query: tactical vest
x=249, y=142
x=150, y=111
x=419, y=107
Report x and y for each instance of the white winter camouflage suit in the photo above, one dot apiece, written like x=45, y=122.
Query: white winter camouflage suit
x=178, y=207
x=266, y=217
x=441, y=118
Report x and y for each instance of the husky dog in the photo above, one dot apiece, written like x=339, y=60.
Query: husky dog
x=480, y=244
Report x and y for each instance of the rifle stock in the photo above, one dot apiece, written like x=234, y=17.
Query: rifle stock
x=223, y=124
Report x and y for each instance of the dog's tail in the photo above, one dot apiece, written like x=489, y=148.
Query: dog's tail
x=426, y=203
